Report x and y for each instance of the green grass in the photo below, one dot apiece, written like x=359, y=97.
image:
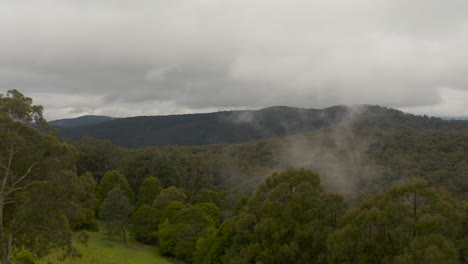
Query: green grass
x=102, y=249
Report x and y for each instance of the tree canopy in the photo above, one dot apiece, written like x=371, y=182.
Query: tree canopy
x=286, y=221
x=410, y=223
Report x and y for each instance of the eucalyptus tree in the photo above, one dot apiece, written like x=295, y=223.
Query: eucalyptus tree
x=40, y=193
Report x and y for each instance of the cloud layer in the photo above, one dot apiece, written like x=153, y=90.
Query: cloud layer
x=125, y=58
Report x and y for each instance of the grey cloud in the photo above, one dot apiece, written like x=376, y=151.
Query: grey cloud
x=156, y=57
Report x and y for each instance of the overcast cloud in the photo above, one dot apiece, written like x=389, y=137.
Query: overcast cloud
x=145, y=57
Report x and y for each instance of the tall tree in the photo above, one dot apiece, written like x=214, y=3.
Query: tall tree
x=39, y=192
x=115, y=212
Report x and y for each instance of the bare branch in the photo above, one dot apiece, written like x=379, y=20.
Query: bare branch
x=24, y=175
x=23, y=187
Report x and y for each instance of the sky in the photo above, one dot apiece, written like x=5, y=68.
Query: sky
x=150, y=57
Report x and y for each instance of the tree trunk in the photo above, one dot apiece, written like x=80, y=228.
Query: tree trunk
x=6, y=250
x=5, y=259
x=1, y=212
x=3, y=244
x=124, y=235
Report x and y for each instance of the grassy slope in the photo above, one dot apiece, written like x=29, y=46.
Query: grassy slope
x=104, y=250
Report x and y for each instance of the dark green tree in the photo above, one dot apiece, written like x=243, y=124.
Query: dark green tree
x=213, y=249
x=209, y=196
x=171, y=210
x=179, y=234
x=166, y=196
x=149, y=190
x=96, y=156
x=115, y=212
x=111, y=180
x=145, y=223
x=139, y=165
x=211, y=210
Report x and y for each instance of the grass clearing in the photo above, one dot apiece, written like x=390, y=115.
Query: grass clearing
x=102, y=249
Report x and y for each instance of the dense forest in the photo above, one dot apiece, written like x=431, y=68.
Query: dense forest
x=368, y=186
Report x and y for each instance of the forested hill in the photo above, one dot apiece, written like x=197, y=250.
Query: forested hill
x=80, y=121
x=242, y=126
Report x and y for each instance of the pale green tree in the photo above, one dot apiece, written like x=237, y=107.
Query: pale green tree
x=115, y=212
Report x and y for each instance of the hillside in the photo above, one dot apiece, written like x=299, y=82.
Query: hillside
x=80, y=121
x=242, y=126
x=348, y=161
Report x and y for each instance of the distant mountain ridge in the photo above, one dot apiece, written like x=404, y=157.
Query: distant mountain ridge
x=80, y=121
x=247, y=125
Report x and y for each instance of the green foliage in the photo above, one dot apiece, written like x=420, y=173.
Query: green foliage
x=410, y=223
x=438, y=157
x=110, y=181
x=96, y=156
x=149, y=190
x=24, y=257
x=139, y=165
x=84, y=218
x=208, y=196
x=144, y=222
x=179, y=234
x=211, y=210
x=203, y=246
x=41, y=196
x=171, y=210
x=20, y=108
x=213, y=249
x=166, y=196
x=286, y=221
x=115, y=212
x=387, y=157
